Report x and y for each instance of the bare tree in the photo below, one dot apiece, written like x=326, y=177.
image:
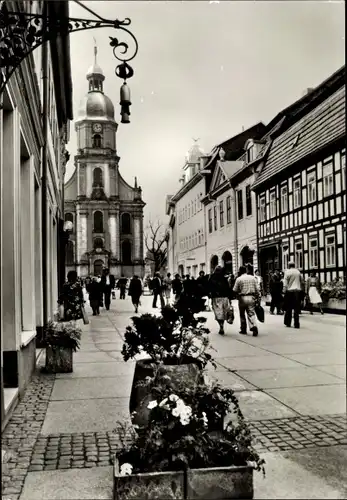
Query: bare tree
x=156, y=244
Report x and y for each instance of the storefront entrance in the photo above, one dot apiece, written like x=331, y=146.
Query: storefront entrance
x=269, y=262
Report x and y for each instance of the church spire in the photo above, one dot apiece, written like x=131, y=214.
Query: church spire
x=95, y=74
x=135, y=186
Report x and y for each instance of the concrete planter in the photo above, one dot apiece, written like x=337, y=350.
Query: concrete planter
x=59, y=359
x=218, y=483
x=338, y=304
x=189, y=373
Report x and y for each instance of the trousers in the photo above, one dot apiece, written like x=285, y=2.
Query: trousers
x=292, y=305
x=246, y=307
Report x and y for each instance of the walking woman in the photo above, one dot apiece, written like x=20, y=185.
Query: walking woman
x=220, y=293
x=135, y=291
x=313, y=290
x=71, y=298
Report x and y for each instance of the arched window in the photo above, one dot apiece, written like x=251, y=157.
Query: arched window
x=126, y=252
x=69, y=217
x=97, y=177
x=228, y=262
x=69, y=254
x=247, y=255
x=126, y=226
x=98, y=243
x=97, y=141
x=98, y=222
x=214, y=262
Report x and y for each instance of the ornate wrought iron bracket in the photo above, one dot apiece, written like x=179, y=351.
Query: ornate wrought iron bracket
x=21, y=33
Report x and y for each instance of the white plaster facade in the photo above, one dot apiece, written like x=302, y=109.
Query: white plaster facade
x=32, y=162
x=106, y=211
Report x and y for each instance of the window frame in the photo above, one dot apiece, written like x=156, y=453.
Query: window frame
x=298, y=253
x=272, y=204
x=262, y=208
x=328, y=246
x=284, y=196
x=215, y=218
x=297, y=201
x=248, y=194
x=316, y=250
x=309, y=184
x=343, y=171
x=228, y=207
x=285, y=256
x=329, y=176
x=239, y=204
x=221, y=213
x=210, y=221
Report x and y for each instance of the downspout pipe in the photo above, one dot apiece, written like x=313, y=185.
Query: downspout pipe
x=234, y=202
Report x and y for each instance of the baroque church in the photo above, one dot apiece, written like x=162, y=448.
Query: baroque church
x=106, y=212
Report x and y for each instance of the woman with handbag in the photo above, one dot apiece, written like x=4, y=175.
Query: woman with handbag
x=221, y=294
x=313, y=289
x=71, y=300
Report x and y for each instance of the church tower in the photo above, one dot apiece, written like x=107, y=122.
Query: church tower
x=107, y=213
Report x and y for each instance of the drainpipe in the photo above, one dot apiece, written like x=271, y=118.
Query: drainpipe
x=44, y=167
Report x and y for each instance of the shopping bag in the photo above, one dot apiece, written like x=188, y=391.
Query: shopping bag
x=259, y=311
x=85, y=316
x=230, y=315
x=113, y=294
x=61, y=312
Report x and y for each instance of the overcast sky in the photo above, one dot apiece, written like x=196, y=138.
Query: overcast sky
x=204, y=70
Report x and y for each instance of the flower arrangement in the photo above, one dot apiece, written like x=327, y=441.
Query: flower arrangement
x=335, y=289
x=171, y=338
x=62, y=334
x=178, y=434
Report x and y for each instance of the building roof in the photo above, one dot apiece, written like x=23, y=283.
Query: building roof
x=234, y=147
x=322, y=126
x=96, y=105
x=230, y=167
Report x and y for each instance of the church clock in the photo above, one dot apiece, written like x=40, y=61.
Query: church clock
x=97, y=127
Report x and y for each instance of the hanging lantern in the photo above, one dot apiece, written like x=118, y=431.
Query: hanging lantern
x=125, y=103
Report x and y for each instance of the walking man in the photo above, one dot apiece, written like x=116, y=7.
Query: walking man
x=276, y=293
x=293, y=283
x=107, y=285
x=157, y=287
x=135, y=291
x=168, y=287
x=247, y=289
x=122, y=285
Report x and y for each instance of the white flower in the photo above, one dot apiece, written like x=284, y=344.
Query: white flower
x=163, y=402
x=152, y=405
x=176, y=412
x=204, y=418
x=126, y=469
x=174, y=397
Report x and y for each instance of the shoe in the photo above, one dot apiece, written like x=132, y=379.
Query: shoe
x=255, y=331
x=243, y=333
x=296, y=326
x=107, y=308
x=311, y=312
x=94, y=314
x=322, y=312
x=221, y=332
x=288, y=326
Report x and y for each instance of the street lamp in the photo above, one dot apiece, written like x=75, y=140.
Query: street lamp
x=68, y=228
x=22, y=32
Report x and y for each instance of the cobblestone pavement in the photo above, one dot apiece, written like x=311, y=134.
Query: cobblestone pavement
x=26, y=450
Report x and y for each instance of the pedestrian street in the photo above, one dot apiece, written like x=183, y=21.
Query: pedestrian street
x=290, y=384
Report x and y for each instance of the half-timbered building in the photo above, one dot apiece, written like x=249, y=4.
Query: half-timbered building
x=301, y=186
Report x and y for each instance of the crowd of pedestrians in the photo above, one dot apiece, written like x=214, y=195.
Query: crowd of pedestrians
x=287, y=289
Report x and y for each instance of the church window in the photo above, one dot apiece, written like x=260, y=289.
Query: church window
x=126, y=252
x=98, y=222
x=98, y=243
x=97, y=177
x=97, y=141
x=126, y=229
x=69, y=253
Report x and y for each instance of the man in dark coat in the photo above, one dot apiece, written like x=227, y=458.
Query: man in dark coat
x=95, y=295
x=107, y=284
x=157, y=288
x=276, y=287
x=135, y=291
x=122, y=285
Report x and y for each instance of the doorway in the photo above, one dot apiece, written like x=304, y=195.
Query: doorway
x=269, y=262
x=98, y=267
x=213, y=263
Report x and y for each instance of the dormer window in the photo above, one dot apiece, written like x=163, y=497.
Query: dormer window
x=250, y=152
x=97, y=141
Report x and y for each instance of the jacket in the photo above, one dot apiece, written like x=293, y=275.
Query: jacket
x=112, y=281
x=135, y=288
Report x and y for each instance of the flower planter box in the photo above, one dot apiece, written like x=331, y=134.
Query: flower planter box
x=148, y=486
x=189, y=373
x=59, y=359
x=338, y=304
x=218, y=483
